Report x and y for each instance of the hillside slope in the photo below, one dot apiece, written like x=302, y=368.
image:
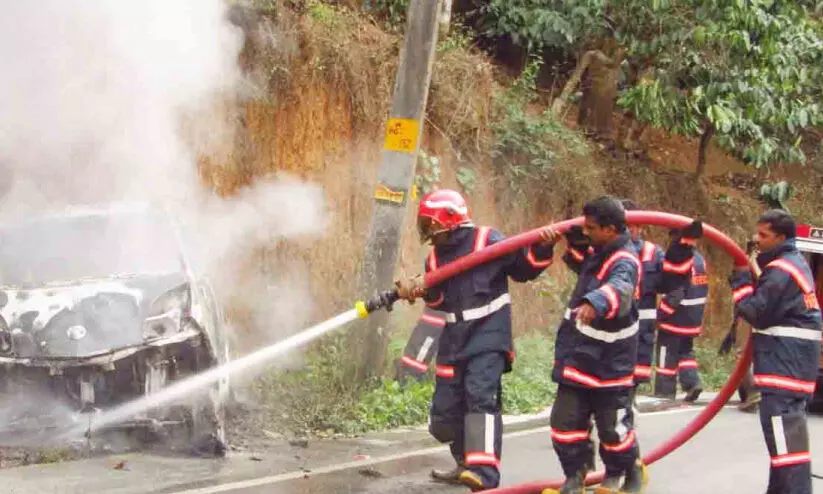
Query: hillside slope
x=324, y=77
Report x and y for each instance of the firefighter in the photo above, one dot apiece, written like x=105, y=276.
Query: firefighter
x=679, y=322
x=596, y=350
x=651, y=259
x=783, y=310
x=422, y=345
x=475, y=347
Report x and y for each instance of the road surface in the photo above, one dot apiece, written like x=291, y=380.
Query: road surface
x=727, y=456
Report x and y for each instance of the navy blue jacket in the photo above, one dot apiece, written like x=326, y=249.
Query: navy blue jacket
x=785, y=317
x=681, y=310
x=603, y=354
x=476, y=303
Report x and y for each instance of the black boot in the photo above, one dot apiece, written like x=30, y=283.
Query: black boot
x=572, y=485
x=636, y=479
x=693, y=394
x=610, y=485
x=448, y=476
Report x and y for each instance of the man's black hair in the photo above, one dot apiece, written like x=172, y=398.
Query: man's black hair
x=606, y=211
x=780, y=222
x=629, y=205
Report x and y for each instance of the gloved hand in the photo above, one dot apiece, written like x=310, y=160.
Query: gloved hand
x=410, y=289
x=681, y=248
x=692, y=231
x=576, y=238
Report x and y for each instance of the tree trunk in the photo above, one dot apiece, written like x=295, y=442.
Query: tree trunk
x=599, y=85
x=559, y=103
x=708, y=133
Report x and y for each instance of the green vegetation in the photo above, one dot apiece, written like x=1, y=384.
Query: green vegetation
x=313, y=399
x=529, y=145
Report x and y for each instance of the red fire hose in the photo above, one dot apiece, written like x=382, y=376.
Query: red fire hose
x=654, y=218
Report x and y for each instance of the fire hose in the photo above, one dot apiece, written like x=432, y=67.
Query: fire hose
x=654, y=218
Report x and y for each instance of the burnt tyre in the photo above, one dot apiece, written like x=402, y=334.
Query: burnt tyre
x=206, y=417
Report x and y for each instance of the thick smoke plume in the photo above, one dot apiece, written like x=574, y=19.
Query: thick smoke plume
x=115, y=101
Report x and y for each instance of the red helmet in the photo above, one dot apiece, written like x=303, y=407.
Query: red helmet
x=445, y=208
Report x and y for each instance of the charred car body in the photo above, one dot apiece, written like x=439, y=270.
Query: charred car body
x=99, y=307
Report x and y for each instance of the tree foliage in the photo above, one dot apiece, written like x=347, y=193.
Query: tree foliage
x=539, y=24
x=749, y=72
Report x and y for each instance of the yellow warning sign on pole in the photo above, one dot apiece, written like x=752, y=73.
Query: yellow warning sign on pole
x=402, y=135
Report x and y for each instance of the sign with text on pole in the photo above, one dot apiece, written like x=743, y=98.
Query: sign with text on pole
x=396, y=175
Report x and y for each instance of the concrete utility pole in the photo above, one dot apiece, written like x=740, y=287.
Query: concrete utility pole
x=396, y=174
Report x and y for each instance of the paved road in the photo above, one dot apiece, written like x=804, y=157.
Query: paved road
x=727, y=456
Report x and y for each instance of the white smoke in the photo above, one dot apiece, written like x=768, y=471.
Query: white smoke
x=113, y=100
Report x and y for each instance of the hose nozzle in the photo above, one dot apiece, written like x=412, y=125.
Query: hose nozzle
x=381, y=300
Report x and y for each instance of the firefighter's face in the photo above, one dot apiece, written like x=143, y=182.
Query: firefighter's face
x=430, y=231
x=766, y=239
x=599, y=235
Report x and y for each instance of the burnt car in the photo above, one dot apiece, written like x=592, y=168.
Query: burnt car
x=100, y=306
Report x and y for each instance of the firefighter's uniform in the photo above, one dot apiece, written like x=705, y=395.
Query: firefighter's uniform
x=785, y=317
x=422, y=345
x=475, y=347
x=679, y=321
x=651, y=259
x=595, y=365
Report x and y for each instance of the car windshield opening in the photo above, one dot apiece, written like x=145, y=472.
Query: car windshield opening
x=67, y=248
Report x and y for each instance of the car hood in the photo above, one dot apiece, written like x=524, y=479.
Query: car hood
x=83, y=318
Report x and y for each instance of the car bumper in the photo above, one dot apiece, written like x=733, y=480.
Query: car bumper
x=104, y=358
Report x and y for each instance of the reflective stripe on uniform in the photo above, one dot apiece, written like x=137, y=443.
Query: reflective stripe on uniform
x=681, y=268
x=576, y=254
x=482, y=238
x=534, y=262
x=642, y=371
x=482, y=459
x=647, y=253
x=424, y=348
x=791, y=332
x=415, y=364
x=433, y=320
x=622, y=445
x=577, y=376
x=444, y=371
x=785, y=383
x=607, y=336
x=647, y=314
x=665, y=307
x=666, y=371
x=794, y=272
x=693, y=301
x=481, y=312
x=620, y=254
x=791, y=459
x=568, y=437
x=681, y=330
x=744, y=291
